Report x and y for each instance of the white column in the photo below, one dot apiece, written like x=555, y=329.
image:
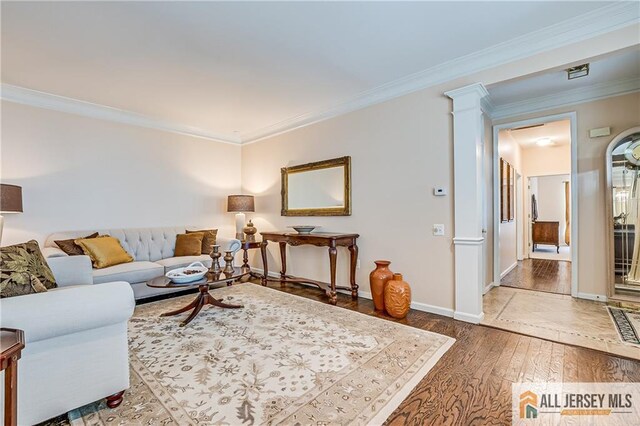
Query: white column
x=468, y=181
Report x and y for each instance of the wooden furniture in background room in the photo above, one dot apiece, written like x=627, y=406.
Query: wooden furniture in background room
x=546, y=233
x=320, y=239
x=11, y=346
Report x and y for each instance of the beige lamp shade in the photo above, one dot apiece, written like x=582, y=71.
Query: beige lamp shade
x=10, y=198
x=240, y=203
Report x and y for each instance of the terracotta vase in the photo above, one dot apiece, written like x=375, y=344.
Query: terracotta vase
x=397, y=297
x=378, y=279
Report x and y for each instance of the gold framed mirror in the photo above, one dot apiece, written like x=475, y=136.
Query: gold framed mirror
x=322, y=188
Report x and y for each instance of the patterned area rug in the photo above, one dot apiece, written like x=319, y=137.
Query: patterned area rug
x=282, y=359
x=627, y=323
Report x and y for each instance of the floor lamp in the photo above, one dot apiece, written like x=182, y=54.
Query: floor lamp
x=10, y=202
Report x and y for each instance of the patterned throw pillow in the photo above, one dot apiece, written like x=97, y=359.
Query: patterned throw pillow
x=24, y=270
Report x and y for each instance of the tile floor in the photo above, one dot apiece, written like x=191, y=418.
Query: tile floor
x=555, y=317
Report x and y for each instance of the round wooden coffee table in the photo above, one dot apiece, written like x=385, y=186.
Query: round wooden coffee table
x=204, y=297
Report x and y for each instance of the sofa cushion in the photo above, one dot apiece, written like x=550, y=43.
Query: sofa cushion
x=181, y=261
x=133, y=272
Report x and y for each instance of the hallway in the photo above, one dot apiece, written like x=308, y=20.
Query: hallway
x=550, y=276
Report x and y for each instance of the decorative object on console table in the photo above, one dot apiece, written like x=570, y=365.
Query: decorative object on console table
x=10, y=202
x=321, y=239
x=303, y=229
x=11, y=346
x=250, y=231
x=397, y=297
x=239, y=204
x=378, y=279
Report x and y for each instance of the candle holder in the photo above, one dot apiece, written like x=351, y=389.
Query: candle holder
x=215, y=260
x=228, y=262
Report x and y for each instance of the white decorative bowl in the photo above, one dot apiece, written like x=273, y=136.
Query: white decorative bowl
x=304, y=229
x=178, y=275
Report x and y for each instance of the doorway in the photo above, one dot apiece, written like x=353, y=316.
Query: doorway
x=535, y=247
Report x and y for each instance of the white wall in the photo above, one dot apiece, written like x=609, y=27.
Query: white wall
x=550, y=197
x=511, y=152
x=80, y=173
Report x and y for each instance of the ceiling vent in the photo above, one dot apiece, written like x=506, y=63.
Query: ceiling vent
x=578, y=71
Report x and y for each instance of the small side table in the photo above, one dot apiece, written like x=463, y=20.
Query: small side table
x=246, y=246
x=11, y=346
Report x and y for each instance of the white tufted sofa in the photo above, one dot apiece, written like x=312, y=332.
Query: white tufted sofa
x=152, y=251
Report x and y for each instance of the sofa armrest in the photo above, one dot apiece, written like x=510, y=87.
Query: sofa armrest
x=68, y=310
x=48, y=252
x=71, y=270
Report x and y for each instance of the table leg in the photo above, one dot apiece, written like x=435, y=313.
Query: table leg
x=283, y=260
x=353, y=249
x=11, y=393
x=245, y=257
x=204, y=298
x=265, y=270
x=333, y=254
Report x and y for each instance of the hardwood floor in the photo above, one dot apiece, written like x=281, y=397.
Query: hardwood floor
x=551, y=276
x=471, y=384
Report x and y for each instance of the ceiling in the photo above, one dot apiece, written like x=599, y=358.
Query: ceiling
x=617, y=66
x=558, y=131
x=234, y=68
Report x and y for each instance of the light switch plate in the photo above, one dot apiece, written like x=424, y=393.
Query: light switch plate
x=438, y=229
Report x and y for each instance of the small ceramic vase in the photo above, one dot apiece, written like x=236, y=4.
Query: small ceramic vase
x=397, y=297
x=250, y=231
x=378, y=280
x=228, y=262
x=215, y=260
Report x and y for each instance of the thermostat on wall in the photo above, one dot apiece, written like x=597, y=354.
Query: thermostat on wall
x=439, y=191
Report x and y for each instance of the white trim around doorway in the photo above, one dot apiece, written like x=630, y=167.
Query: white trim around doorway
x=573, y=118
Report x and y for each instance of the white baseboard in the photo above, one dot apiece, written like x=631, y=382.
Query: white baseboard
x=509, y=269
x=590, y=296
x=463, y=316
x=489, y=287
x=418, y=306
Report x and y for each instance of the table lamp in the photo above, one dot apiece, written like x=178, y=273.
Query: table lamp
x=10, y=202
x=239, y=204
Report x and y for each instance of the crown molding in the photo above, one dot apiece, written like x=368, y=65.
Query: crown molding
x=568, y=97
x=476, y=89
x=22, y=95
x=592, y=24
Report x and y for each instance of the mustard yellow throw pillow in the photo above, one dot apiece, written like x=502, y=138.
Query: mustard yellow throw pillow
x=104, y=251
x=189, y=244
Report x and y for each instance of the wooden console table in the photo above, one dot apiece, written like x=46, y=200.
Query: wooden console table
x=320, y=239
